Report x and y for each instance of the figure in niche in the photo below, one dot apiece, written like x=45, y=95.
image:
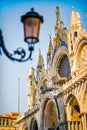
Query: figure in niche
x=82, y=59
x=75, y=112
x=71, y=42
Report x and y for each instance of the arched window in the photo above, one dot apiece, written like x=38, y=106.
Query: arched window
x=7, y=122
x=50, y=115
x=34, y=125
x=3, y=121
x=64, y=67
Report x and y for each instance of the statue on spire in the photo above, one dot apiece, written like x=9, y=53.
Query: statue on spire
x=60, y=30
x=57, y=14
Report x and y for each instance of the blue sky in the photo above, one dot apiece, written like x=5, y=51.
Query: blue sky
x=10, y=12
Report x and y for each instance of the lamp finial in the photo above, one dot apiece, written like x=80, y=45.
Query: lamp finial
x=32, y=9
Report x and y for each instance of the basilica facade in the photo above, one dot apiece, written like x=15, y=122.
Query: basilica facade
x=57, y=95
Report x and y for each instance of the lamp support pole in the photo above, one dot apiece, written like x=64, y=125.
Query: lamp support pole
x=18, y=52
x=31, y=23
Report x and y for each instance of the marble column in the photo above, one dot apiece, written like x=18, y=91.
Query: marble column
x=80, y=125
x=9, y=121
x=69, y=125
x=76, y=125
x=72, y=125
x=84, y=122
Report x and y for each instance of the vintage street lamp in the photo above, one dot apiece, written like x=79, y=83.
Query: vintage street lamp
x=31, y=22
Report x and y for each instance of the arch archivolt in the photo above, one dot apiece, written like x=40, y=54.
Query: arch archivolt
x=46, y=103
x=44, y=79
x=81, y=54
x=84, y=101
x=50, y=114
x=68, y=97
x=62, y=51
x=76, y=103
x=72, y=108
x=78, y=90
x=81, y=38
x=33, y=123
x=24, y=126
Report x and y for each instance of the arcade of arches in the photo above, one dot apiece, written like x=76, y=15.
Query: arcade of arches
x=73, y=113
x=57, y=94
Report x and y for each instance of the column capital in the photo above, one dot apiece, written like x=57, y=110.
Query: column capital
x=83, y=113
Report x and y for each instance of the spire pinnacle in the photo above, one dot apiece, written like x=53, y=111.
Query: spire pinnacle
x=50, y=36
x=39, y=51
x=50, y=45
x=75, y=19
x=31, y=70
x=30, y=63
x=72, y=8
x=40, y=58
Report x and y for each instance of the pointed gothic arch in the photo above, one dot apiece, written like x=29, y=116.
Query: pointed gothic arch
x=61, y=64
x=72, y=108
x=44, y=81
x=50, y=115
x=85, y=99
x=33, y=124
x=24, y=127
x=64, y=67
x=49, y=105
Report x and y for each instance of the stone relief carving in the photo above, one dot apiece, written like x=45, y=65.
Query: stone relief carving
x=82, y=57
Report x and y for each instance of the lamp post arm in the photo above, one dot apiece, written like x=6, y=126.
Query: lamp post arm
x=18, y=52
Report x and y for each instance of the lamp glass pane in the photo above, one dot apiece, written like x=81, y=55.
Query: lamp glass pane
x=31, y=29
